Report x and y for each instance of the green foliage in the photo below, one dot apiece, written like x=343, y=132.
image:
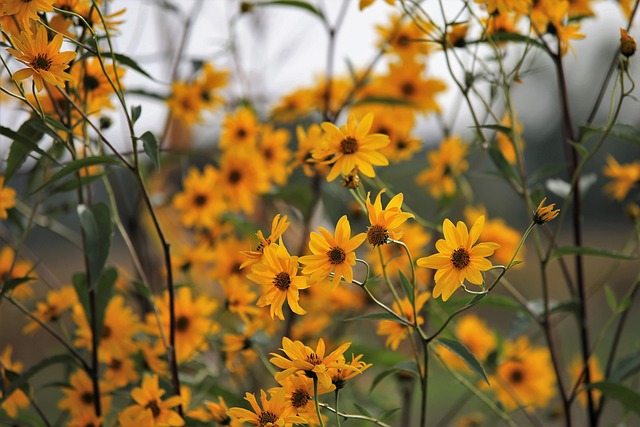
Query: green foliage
x=463, y=353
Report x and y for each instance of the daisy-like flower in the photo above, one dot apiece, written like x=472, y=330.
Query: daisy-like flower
x=459, y=258
x=57, y=302
x=149, y=404
x=278, y=226
x=193, y=322
x=397, y=332
x=120, y=372
x=239, y=298
x=185, y=102
x=273, y=149
x=445, y=165
x=199, y=202
x=496, y=230
x=7, y=198
x=10, y=268
x=307, y=142
x=85, y=420
x=44, y=60
x=24, y=11
x=312, y=362
x=332, y=254
x=16, y=400
x=405, y=80
x=93, y=84
x=595, y=374
x=79, y=397
x=545, y=213
x=274, y=412
x=624, y=177
x=278, y=273
x=352, y=146
x=240, y=130
x=339, y=377
x=525, y=377
x=385, y=222
x=210, y=82
x=219, y=413
x=299, y=393
x=243, y=177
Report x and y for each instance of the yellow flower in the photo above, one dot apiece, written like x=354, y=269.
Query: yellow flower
x=44, y=59
x=406, y=39
x=565, y=33
x=525, y=377
x=10, y=268
x=396, y=332
x=185, y=103
x=86, y=419
x=152, y=355
x=307, y=142
x=312, y=362
x=595, y=374
x=239, y=353
x=219, y=413
x=405, y=81
x=79, y=397
x=120, y=371
x=473, y=332
x=385, y=222
x=506, y=144
x=278, y=275
x=445, y=165
x=332, y=254
x=505, y=6
x=149, y=404
x=57, y=302
x=352, y=146
x=300, y=395
x=229, y=258
x=194, y=322
x=545, y=213
x=7, y=198
x=459, y=258
x=209, y=82
x=199, y=202
x=17, y=400
x=278, y=226
x=24, y=11
x=94, y=88
x=366, y=3
x=274, y=411
x=240, y=130
x=272, y=147
x=624, y=176
x=339, y=376
x=296, y=104
x=239, y=298
x=120, y=325
x=243, y=177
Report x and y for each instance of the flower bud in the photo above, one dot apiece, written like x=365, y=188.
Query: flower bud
x=627, y=43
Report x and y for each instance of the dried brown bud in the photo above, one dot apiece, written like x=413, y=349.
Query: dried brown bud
x=352, y=180
x=627, y=43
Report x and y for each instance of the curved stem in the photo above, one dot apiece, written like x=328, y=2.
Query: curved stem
x=315, y=400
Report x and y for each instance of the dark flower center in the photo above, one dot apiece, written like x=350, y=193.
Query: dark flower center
x=268, y=154
x=314, y=359
x=377, y=235
x=41, y=62
x=115, y=364
x=90, y=82
x=300, y=398
x=516, y=376
x=182, y=323
x=205, y=96
x=155, y=410
x=460, y=258
x=408, y=89
x=336, y=255
x=235, y=176
x=349, y=145
x=200, y=200
x=403, y=40
x=282, y=281
x=402, y=144
x=266, y=417
x=87, y=398
x=241, y=133
x=106, y=332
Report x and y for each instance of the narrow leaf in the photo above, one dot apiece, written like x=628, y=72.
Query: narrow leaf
x=375, y=316
x=151, y=147
x=293, y=3
x=623, y=394
x=611, y=298
x=388, y=414
x=407, y=287
x=135, y=113
x=125, y=60
x=142, y=289
x=467, y=357
x=13, y=283
x=407, y=367
x=585, y=250
x=77, y=165
x=363, y=410
x=97, y=227
x=24, y=142
x=626, y=366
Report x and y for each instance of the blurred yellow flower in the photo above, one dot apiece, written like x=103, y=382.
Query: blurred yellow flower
x=446, y=164
x=199, y=203
x=44, y=60
x=7, y=198
x=459, y=258
x=79, y=396
x=496, y=230
x=150, y=409
x=396, y=332
x=10, y=268
x=385, y=222
x=595, y=374
x=240, y=130
x=243, y=176
x=18, y=399
x=274, y=412
x=474, y=333
x=624, y=177
x=56, y=303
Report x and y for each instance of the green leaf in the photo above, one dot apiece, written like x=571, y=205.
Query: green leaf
x=77, y=165
x=73, y=183
x=363, y=410
x=79, y=281
x=508, y=131
x=611, y=298
x=151, y=147
x=406, y=367
x=502, y=164
x=97, y=227
x=387, y=100
x=142, y=289
x=293, y=3
x=104, y=292
x=22, y=380
x=626, y=366
x=14, y=283
x=623, y=394
x=146, y=93
x=406, y=286
x=620, y=130
x=467, y=357
x=25, y=140
x=503, y=36
x=136, y=110
x=388, y=414
x=125, y=60
x=585, y=250
x=580, y=148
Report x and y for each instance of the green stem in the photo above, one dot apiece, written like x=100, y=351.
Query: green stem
x=315, y=400
x=338, y=408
